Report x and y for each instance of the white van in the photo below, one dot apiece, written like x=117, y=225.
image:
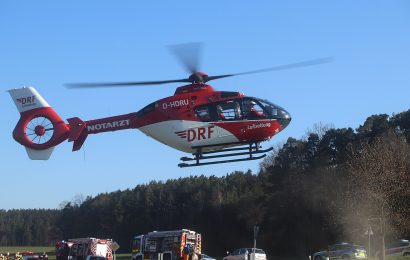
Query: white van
x=246, y=254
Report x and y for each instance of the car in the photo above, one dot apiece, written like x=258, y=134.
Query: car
x=341, y=251
x=95, y=257
x=245, y=254
x=398, y=248
x=206, y=257
x=31, y=257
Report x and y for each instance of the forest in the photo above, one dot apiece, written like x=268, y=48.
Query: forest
x=326, y=187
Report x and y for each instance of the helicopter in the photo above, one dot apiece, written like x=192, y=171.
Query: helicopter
x=213, y=126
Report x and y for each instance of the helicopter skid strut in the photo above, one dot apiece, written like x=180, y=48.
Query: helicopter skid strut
x=252, y=150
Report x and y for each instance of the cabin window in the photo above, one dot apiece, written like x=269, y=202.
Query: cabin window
x=228, y=111
x=203, y=114
x=238, y=109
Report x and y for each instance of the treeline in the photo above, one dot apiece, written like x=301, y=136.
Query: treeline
x=327, y=187
x=36, y=227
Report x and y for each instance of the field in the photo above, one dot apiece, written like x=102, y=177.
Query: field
x=34, y=249
x=49, y=250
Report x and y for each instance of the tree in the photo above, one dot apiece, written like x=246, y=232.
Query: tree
x=378, y=178
x=401, y=122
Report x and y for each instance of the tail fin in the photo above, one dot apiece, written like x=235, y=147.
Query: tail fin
x=40, y=128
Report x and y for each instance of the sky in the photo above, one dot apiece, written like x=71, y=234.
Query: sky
x=46, y=44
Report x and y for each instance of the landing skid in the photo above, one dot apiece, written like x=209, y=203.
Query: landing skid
x=250, y=150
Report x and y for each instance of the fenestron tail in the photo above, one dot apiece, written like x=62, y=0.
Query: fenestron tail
x=40, y=128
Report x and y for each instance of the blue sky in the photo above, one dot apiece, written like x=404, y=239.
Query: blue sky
x=48, y=43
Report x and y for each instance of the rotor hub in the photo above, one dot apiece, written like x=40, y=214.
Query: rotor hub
x=198, y=77
x=40, y=130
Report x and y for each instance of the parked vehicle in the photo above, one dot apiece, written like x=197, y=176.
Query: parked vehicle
x=246, y=254
x=183, y=244
x=206, y=257
x=398, y=248
x=83, y=249
x=341, y=251
x=95, y=257
x=28, y=255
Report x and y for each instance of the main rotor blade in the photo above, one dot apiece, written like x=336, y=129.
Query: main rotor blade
x=189, y=54
x=276, y=68
x=123, y=84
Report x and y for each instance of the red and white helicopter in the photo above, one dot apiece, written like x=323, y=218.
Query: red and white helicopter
x=214, y=126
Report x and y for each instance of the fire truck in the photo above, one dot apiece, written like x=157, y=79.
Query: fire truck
x=181, y=244
x=84, y=249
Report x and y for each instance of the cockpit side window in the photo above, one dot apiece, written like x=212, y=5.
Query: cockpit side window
x=252, y=110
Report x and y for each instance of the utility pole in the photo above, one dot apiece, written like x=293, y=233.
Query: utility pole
x=383, y=234
x=369, y=232
x=255, y=235
x=69, y=244
x=381, y=224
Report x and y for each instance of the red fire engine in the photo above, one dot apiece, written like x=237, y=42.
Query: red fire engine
x=84, y=249
x=181, y=244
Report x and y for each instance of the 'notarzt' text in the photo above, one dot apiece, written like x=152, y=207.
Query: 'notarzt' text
x=101, y=126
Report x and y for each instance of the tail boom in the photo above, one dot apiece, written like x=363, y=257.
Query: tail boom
x=79, y=130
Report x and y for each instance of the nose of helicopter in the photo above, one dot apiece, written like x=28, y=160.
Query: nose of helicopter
x=284, y=118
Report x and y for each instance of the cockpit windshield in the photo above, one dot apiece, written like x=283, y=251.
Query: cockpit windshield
x=269, y=107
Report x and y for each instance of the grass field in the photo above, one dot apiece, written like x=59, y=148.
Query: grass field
x=123, y=256
x=34, y=249
x=49, y=250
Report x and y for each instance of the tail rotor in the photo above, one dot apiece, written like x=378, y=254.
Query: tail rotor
x=40, y=128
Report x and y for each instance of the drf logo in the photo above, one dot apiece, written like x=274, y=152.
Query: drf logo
x=197, y=134
x=27, y=100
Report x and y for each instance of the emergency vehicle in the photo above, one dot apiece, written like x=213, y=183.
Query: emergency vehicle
x=181, y=244
x=83, y=248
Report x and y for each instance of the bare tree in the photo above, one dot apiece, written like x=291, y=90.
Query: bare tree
x=378, y=185
x=269, y=160
x=319, y=128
